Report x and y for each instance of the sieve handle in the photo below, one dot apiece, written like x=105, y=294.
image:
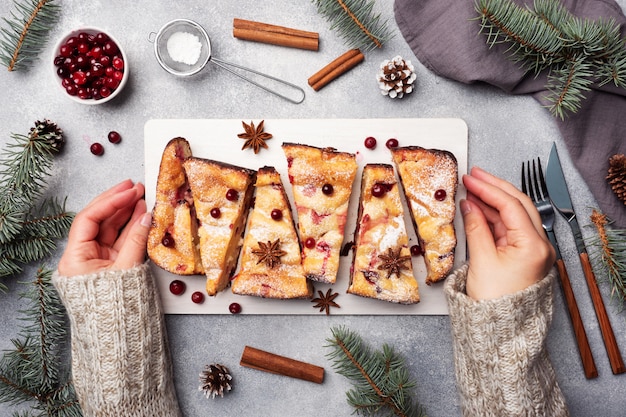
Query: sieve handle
x=289, y=91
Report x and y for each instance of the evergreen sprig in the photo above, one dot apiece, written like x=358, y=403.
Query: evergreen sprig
x=380, y=378
x=356, y=22
x=576, y=52
x=29, y=228
x=32, y=372
x=610, y=254
x=27, y=32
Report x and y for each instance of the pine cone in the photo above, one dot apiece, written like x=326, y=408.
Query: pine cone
x=396, y=77
x=215, y=379
x=617, y=176
x=50, y=132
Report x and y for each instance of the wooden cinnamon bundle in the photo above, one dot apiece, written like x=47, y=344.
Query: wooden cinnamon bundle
x=336, y=68
x=276, y=364
x=275, y=35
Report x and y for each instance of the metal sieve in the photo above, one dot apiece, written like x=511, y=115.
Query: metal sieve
x=288, y=91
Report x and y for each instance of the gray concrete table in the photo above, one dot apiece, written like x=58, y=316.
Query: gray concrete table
x=503, y=131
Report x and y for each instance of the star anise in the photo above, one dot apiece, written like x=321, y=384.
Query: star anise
x=269, y=253
x=255, y=137
x=326, y=301
x=393, y=263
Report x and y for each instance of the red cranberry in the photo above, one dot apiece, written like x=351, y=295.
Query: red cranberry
x=327, y=189
x=104, y=92
x=110, y=48
x=71, y=90
x=234, y=308
x=105, y=60
x=177, y=287
x=101, y=38
x=216, y=213
x=391, y=143
x=232, y=195
x=168, y=241
x=197, y=297
x=73, y=41
x=276, y=214
x=83, y=93
x=79, y=77
x=379, y=190
x=97, y=148
x=95, y=52
x=118, y=63
x=416, y=250
x=114, y=137
x=309, y=243
x=370, y=142
x=82, y=48
x=66, y=50
x=440, y=194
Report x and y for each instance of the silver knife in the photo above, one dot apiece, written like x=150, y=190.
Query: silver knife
x=559, y=194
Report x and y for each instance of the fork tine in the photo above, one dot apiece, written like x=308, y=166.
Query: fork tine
x=536, y=182
x=524, y=189
x=542, y=181
x=531, y=189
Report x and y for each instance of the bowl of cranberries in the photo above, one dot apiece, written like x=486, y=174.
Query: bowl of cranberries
x=90, y=65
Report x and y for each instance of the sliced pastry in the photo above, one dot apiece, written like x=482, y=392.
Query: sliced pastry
x=172, y=242
x=381, y=264
x=270, y=263
x=429, y=178
x=321, y=180
x=222, y=195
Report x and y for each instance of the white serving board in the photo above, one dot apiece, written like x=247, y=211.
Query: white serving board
x=217, y=139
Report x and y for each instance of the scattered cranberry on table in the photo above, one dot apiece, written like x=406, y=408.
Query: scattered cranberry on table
x=234, y=308
x=97, y=149
x=416, y=250
x=440, y=195
x=114, y=137
x=93, y=63
x=392, y=143
x=177, y=287
x=370, y=142
x=197, y=297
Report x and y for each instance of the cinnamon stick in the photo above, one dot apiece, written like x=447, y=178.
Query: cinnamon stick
x=336, y=68
x=276, y=364
x=275, y=35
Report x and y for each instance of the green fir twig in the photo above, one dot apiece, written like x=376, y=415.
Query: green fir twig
x=610, y=254
x=356, y=22
x=31, y=373
x=380, y=378
x=29, y=228
x=27, y=32
x=575, y=52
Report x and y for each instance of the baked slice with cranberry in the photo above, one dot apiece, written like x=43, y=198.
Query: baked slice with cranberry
x=172, y=241
x=321, y=180
x=222, y=195
x=429, y=179
x=271, y=264
x=381, y=258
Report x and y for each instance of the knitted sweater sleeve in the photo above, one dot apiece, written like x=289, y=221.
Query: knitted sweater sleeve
x=501, y=361
x=120, y=357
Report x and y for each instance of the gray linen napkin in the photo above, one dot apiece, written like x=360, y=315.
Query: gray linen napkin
x=444, y=38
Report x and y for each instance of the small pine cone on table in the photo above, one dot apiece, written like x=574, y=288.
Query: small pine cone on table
x=215, y=380
x=396, y=77
x=50, y=132
x=617, y=176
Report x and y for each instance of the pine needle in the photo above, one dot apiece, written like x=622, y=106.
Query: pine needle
x=576, y=52
x=380, y=378
x=610, y=246
x=356, y=22
x=31, y=373
x=27, y=32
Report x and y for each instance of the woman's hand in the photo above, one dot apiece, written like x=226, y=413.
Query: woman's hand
x=508, y=248
x=110, y=233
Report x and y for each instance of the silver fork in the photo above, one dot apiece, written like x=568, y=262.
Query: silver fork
x=535, y=187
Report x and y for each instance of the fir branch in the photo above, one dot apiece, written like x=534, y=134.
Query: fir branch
x=610, y=254
x=27, y=32
x=380, y=378
x=32, y=372
x=356, y=22
x=575, y=52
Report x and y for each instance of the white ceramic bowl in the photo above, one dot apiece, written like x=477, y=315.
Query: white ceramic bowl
x=59, y=80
